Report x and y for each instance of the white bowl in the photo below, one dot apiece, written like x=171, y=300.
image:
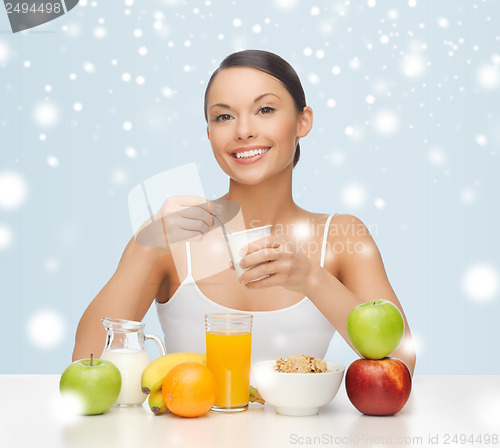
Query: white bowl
x=297, y=393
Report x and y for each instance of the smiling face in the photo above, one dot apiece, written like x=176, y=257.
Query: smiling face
x=253, y=124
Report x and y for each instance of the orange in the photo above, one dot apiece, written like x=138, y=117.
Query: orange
x=189, y=389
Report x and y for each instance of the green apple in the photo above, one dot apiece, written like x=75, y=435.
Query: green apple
x=375, y=328
x=96, y=383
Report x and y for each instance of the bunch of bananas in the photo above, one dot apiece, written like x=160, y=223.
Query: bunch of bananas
x=157, y=370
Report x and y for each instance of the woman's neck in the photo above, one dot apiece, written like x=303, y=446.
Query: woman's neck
x=269, y=202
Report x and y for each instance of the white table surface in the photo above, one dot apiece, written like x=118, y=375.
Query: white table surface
x=441, y=408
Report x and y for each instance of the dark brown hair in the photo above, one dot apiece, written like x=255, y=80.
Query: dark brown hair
x=273, y=65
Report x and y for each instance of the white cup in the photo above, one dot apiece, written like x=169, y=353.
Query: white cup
x=238, y=240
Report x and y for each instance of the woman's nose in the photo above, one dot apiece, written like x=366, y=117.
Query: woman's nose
x=245, y=130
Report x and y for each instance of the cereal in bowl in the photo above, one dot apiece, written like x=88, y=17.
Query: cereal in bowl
x=301, y=364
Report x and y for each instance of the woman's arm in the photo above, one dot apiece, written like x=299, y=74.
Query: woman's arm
x=354, y=273
x=127, y=295
x=136, y=281
x=362, y=273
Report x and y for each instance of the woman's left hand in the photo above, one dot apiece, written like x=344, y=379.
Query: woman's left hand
x=281, y=261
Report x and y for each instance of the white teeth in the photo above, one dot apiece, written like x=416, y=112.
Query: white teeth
x=251, y=153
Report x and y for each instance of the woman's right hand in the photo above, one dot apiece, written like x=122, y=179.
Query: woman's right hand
x=180, y=219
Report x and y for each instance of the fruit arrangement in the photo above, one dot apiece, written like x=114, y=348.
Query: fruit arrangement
x=155, y=374
x=182, y=384
x=94, y=383
x=375, y=328
x=189, y=389
x=177, y=382
x=377, y=384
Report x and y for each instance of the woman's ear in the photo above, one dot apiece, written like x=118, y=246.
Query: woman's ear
x=305, y=122
x=208, y=133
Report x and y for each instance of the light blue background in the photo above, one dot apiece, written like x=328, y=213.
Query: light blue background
x=435, y=168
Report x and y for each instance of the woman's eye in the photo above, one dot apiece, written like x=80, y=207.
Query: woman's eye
x=223, y=117
x=266, y=110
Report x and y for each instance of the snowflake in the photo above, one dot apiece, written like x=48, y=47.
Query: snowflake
x=488, y=76
x=437, y=157
x=480, y=282
x=413, y=65
x=443, y=22
x=45, y=329
x=100, y=32
x=6, y=237
x=285, y=4
x=379, y=203
x=4, y=52
x=52, y=161
x=386, y=122
x=353, y=195
x=481, y=140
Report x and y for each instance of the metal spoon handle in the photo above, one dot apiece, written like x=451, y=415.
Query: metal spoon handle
x=224, y=228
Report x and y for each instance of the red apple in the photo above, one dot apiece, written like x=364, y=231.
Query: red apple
x=378, y=387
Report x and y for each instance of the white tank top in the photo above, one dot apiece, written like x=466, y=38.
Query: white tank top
x=297, y=329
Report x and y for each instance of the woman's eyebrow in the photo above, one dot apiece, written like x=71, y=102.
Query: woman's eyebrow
x=263, y=95
x=226, y=106
x=220, y=105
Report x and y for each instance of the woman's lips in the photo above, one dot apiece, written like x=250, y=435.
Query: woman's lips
x=249, y=155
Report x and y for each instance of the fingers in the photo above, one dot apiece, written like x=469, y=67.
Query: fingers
x=191, y=225
x=273, y=242
x=266, y=249
x=271, y=261
x=201, y=218
x=256, y=272
x=196, y=201
x=266, y=254
x=190, y=213
x=208, y=208
x=180, y=218
x=175, y=203
x=190, y=207
x=266, y=282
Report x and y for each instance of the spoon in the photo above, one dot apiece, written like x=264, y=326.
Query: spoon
x=224, y=228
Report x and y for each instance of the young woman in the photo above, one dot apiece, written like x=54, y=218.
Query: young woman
x=318, y=267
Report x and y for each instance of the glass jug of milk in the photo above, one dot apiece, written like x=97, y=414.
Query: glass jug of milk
x=125, y=349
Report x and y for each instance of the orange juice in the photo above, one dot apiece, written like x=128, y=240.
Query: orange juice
x=228, y=357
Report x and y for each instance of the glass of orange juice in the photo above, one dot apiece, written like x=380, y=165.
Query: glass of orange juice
x=229, y=345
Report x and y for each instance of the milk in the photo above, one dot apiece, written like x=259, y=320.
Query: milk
x=131, y=364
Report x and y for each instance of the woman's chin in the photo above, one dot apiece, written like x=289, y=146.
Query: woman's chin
x=248, y=180
x=254, y=179
x=254, y=175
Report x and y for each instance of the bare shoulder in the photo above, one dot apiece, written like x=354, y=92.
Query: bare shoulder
x=350, y=246
x=346, y=227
